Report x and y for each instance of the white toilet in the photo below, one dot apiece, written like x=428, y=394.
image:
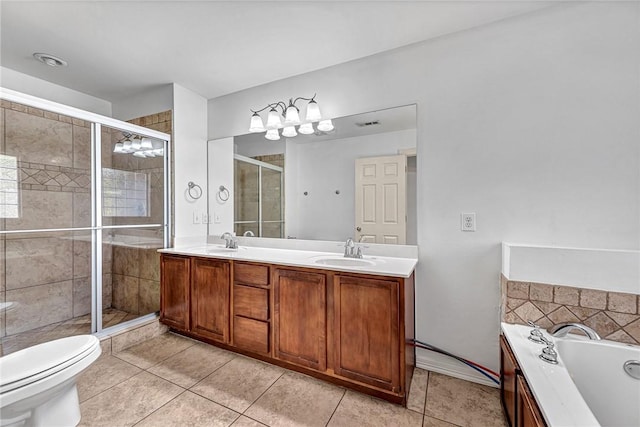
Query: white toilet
x=38, y=384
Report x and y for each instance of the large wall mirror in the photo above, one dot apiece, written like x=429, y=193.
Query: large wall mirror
x=358, y=180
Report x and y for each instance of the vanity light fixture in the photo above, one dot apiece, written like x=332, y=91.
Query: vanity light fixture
x=291, y=115
x=138, y=146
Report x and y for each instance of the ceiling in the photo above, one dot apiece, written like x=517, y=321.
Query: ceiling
x=116, y=49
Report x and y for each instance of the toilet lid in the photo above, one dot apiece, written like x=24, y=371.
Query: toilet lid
x=34, y=363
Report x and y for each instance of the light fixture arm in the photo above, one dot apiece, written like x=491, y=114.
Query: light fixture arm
x=280, y=104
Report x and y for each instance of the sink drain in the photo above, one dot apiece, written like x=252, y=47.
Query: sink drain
x=632, y=368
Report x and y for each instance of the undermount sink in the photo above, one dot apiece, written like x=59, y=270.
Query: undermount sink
x=344, y=262
x=219, y=249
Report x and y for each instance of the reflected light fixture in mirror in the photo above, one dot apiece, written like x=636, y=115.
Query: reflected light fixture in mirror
x=291, y=114
x=139, y=146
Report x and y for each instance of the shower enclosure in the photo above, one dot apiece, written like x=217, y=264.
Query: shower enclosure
x=258, y=196
x=81, y=219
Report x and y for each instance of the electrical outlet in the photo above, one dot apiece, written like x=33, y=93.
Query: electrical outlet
x=197, y=218
x=468, y=221
x=205, y=218
x=216, y=218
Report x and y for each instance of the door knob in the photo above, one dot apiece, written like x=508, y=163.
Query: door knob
x=358, y=228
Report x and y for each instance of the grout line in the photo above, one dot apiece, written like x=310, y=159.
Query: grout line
x=262, y=394
x=344, y=393
x=158, y=408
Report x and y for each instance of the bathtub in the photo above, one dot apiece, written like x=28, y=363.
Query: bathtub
x=588, y=386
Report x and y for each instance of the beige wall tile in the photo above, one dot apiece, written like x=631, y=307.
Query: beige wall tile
x=633, y=329
x=43, y=209
x=540, y=292
x=81, y=147
x=82, y=255
x=149, y=291
x=81, y=209
x=622, y=303
x=593, y=299
x=562, y=315
x=582, y=312
x=621, y=336
x=149, y=264
x=622, y=319
x=23, y=139
x=528, y=311
x=81, y=296
x=107, y=290
x=566, y=295
x=126, y=261
x=546, y=307
x=518, y=290
x=39, y=306
x=125, y=293
x=37, y=261
x=602, y=324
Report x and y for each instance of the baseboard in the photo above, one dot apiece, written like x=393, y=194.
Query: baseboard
x=441, y=364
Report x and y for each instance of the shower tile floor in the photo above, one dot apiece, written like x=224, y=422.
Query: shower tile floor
x=171, y=380
x=76, y=326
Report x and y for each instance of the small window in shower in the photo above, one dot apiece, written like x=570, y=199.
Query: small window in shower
x=8, y=186
x=124, y=193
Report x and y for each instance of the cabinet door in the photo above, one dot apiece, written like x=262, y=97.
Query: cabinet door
x=508, y=377
x=366, y=331
x=300, y=325
x=210, y=285
x=528, y=413
x=174, y=292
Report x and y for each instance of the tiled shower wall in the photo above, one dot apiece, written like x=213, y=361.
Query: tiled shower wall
x=615, y=316
x=47, y=275
x=136, y=271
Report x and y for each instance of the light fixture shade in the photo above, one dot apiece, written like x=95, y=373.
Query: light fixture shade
x=325, y=125
x=257, y=125
x=126, y=146
x=289, y=131
x=292, y=117
x=313, y=111
x=272, y=135
x=158, y=152
x=136, y=143
x=139, y=154
x=306, y=129
x=146, y=143
x=273, y=120
x=119, y=147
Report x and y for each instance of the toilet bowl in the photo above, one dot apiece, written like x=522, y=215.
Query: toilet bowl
x=38, y=384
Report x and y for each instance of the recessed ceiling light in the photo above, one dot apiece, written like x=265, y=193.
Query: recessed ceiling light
x=50, y=60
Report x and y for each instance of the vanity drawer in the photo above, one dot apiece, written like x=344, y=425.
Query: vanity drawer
x=251, y=302
x=251, y=274
x=252, y=335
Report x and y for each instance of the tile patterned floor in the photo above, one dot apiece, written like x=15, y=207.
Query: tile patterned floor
x=76, y=326
x=174, y=381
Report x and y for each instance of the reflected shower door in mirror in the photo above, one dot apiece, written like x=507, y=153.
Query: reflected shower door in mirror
x=358, y=180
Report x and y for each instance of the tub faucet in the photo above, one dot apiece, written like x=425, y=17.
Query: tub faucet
x=230, y=241
x=561, y=330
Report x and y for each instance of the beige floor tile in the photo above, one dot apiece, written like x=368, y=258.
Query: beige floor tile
x=128, y=402
x=296, y=400
x=193, y=364
x=418, y=390
x=104, y=373
x=155, y=350
x=462, y=402
x=246, y=422
x=190, y=410
x=434, y=422
x=357, y=409
x=239, y=383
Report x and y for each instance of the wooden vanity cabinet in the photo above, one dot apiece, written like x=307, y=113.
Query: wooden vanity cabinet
x=367, y=330
x=348, y=328
x=519, y=405
x=300, y=317
x=210, y=287
x=174, y=292
x=251, y=312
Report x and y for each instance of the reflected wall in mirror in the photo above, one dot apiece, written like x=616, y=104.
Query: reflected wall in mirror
x=358, y=180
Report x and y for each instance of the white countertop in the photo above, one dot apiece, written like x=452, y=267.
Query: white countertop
x=378, y=265
x=559, y=400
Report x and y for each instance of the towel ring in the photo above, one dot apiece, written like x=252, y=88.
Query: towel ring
x=198, y=190
x=223, y=193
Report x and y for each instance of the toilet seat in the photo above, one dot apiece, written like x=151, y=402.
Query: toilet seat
x=35, y=363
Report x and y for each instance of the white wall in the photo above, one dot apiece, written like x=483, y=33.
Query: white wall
x=190, y=162
x=320, y=168
x=531, y=122
x=34, y=86
x=221, y=170
x=143, y=104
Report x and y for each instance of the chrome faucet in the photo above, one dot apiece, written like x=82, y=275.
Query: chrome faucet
x=352, y=250
x=562, y=329
x=230, y=241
